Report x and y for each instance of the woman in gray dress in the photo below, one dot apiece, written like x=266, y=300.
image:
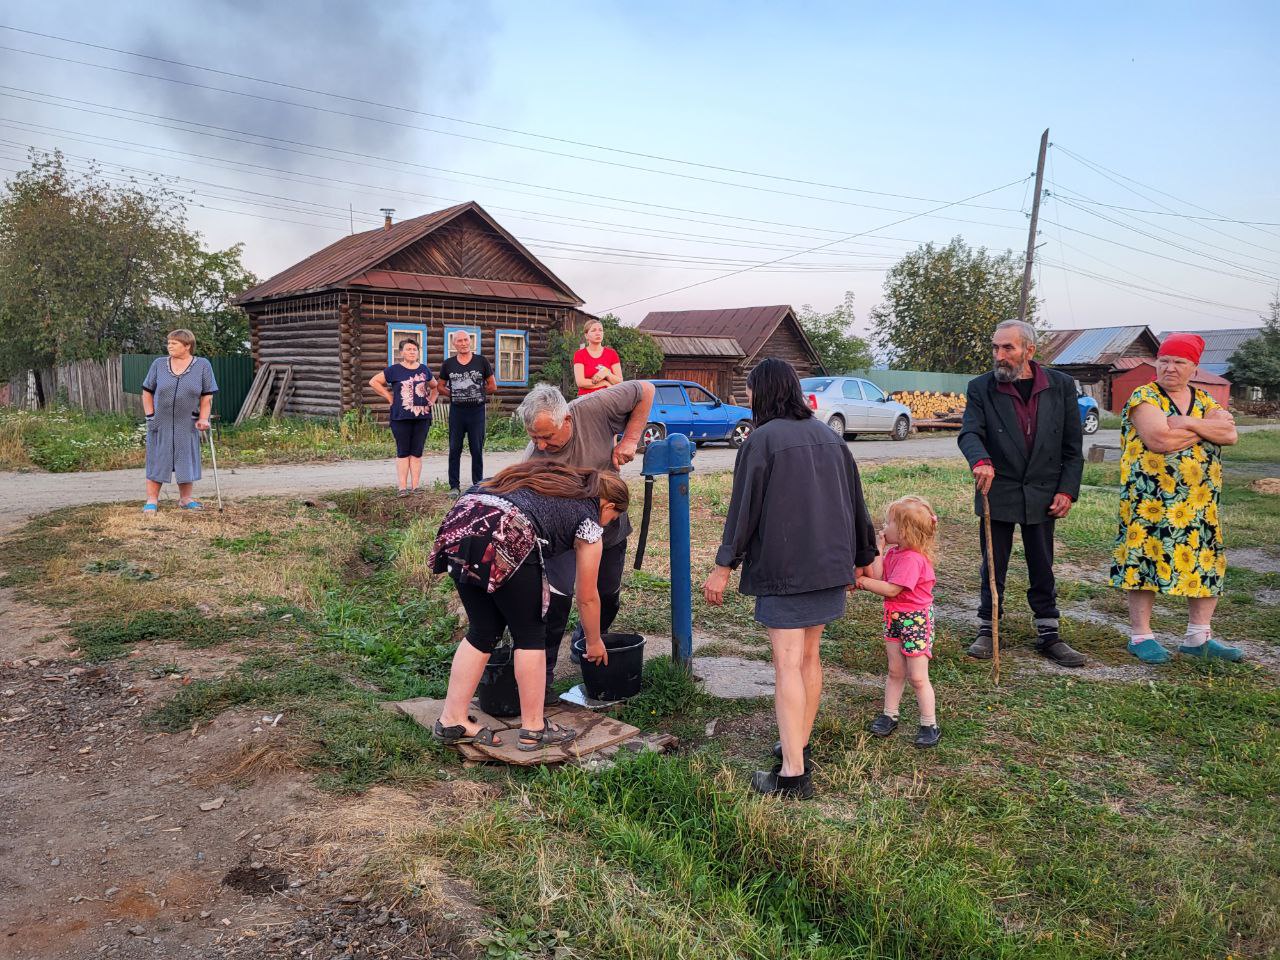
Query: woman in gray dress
x=177, y=397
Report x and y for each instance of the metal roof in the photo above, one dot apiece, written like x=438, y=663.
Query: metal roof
x=1202, y=375
x=750, y=326
x=434, y=283
x=678, y=346
x=1100, y=345
x=337, y=264
x=1220, y=344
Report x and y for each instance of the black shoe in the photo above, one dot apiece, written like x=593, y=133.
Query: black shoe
x=808, y=753
x=775, y=784
x=980, y=649
x=882, y=725
x=1049, y=644
x=927, y=736
x=1061, y=654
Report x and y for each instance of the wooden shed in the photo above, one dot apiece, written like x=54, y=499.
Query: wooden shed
x=1090, y=355
x=1131, y=373
x=336, y=315
x=758, y=332
x=710, y=361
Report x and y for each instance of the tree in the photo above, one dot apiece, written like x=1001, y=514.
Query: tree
x=941, y=304
x=90, y=269
x=1256, y=362
x=640, y=354
x=200, y=292
x=838, y=349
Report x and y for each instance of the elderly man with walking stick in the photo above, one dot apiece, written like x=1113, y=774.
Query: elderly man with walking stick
x=1021, y=435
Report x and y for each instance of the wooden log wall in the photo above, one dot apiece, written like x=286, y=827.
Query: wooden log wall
x=372, y=314
x=785, y=343
x=306, y=335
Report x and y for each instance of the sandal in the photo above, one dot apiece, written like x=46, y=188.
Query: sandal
x=450, y=736
x=551, y=735
x=191, y=505
x=150, y=508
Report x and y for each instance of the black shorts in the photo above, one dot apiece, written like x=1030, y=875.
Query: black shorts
x=411, y=436
x=514, y=606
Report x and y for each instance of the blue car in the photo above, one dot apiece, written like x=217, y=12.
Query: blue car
x=682, y=406
x=1089, y=416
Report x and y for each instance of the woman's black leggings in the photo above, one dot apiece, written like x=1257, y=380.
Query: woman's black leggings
x=514, y=606
x=411, y=436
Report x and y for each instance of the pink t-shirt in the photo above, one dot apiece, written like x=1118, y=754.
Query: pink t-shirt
x=912, y=571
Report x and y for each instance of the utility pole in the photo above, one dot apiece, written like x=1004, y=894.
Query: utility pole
x=1035, y=222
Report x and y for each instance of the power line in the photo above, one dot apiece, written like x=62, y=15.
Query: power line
x=487, y=140
x=1270, y=278
x=438, y=116
x=1076, y=196
x=1110, y=174
x=290, y=176
x=768, y=263
x=1185, y=263
x=225, y=133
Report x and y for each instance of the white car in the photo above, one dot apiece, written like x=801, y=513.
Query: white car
x=851, y=405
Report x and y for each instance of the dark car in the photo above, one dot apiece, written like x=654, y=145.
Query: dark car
x=682, y=406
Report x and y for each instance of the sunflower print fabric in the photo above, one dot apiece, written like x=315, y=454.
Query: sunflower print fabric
x=1170, y=539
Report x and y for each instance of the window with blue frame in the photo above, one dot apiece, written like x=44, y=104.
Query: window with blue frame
x=513, y=357
x=449, y=331
x=397, y=333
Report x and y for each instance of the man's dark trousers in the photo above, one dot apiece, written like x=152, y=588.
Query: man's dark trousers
x=609, y=582
x=466, y=420
x=1037, y=542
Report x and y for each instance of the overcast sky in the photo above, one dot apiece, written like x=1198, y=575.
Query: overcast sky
x=644, y=148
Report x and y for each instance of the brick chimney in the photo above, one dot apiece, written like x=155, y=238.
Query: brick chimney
x=387, y=212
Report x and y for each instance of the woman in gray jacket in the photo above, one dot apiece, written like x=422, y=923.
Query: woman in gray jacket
x=799, y=526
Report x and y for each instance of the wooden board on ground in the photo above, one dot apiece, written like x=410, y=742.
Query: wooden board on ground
x=597, y=732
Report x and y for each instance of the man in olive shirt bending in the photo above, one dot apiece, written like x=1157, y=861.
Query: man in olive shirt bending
x=584, y=434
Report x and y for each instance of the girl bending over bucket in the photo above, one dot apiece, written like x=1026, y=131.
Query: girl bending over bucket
x=904, y=577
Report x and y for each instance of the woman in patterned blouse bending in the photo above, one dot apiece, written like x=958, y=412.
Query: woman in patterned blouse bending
x=493, y=543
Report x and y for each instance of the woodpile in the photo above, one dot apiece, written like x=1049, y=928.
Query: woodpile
x=930, y=405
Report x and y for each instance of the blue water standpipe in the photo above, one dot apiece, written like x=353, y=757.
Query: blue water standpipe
x=673, y=456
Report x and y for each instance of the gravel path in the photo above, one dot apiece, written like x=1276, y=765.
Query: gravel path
x=25, y=495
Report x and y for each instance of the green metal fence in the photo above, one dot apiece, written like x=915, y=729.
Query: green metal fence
x=893, y=380
x=234, y=375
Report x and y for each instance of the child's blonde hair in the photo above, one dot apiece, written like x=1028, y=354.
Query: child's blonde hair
x=917, y=524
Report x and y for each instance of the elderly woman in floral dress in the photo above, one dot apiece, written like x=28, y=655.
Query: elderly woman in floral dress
x=1170, y=539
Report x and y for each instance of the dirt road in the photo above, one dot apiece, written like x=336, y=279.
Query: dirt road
x=25, y=495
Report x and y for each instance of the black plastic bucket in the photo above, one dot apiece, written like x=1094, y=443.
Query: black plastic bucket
x=499, y=695
x=620, y=677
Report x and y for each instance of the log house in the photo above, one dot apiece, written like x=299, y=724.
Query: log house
x=334, y=316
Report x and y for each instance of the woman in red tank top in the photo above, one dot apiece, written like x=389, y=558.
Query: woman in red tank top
x=595, y=366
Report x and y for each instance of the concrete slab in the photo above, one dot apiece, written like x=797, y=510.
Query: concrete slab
x=734, y=678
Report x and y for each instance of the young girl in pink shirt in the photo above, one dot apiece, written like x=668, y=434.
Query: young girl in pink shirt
x=903, y=575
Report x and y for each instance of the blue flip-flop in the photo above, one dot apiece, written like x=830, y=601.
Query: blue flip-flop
x=149, y=508
x=191, y=505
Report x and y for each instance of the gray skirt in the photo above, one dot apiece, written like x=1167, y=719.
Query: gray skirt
x=790, y=611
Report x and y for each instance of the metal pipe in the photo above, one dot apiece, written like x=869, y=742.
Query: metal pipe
x=679, y=466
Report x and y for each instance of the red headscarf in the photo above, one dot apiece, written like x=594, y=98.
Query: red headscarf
x=1189, y=346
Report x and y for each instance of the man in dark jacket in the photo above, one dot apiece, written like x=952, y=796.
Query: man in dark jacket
x=1021, y=435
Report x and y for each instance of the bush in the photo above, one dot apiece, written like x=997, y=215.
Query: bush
x=641, y=356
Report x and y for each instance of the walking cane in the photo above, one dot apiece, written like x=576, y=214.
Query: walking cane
x=213, y=454
x=995, y=595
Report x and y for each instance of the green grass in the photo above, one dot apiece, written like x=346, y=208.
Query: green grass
x=1088, y=816
x=1256, y=446
x=109, y=637
x=63, y=439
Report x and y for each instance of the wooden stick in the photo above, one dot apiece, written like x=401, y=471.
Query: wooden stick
x=995, y=594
